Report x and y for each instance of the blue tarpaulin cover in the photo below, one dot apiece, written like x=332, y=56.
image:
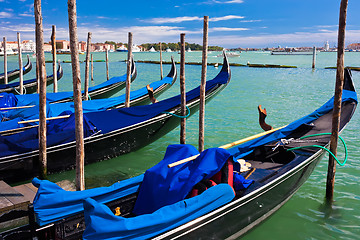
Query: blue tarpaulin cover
x=52, y=203
x=244, y=149
x=56, y=109
x=104, y=121
x=164, y=186
x=30, y=99
x=101, y=223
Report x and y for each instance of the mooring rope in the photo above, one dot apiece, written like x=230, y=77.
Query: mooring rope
x=187, y=115
x=324, y=148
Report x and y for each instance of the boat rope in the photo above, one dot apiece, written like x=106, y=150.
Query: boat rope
x=324, y=148
x=173, y=114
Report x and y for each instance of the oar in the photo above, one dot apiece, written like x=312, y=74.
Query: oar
x=36, y=120
x=226, y=146
x=11, y=108
x=11, y=131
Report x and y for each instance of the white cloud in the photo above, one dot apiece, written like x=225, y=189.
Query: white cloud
x=250, y=21
x=26, y=15
x=227, y=29
x=224, y=18
x=5, y=15
x=187, y=18
x=143, y=34
x=224, y=2
x=102, y=17
x=297, y=38
x=174, y=20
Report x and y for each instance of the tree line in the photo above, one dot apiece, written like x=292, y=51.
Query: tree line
x=172, y=46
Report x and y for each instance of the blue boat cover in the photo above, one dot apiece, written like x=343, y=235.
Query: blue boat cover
x=30, y=99
x=246, y=148
x=52, y=203
x=104, y=121
x=8, y=100
x=101, y=223
x=164, y=186
x=56, y=109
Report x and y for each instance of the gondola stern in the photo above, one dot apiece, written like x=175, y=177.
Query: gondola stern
x=348, y=82
x=225, y=67
x=60, y=71
x=173, y=71
x=28, y=65
x=133, y=69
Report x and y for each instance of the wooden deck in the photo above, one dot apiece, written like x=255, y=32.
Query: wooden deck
x=14, y=201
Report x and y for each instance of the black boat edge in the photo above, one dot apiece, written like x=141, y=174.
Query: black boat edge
x=30, y=86
x=14, y=74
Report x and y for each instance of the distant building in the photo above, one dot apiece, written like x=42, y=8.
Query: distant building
x=28, y=46
x=101, y=47
x=47, y=47
x=354, y=46
x=327, y=47
x=62, y=45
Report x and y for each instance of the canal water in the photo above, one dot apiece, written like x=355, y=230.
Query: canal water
x=287, y=94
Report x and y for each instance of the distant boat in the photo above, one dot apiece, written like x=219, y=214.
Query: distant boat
x=8, y=52
x=189, y=50
x=122, y=49
x=168, y=50
x=230, y=54
x=135, y=48
x=152, y=49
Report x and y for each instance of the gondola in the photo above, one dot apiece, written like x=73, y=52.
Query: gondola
x=30, y=86
x=12, y=75
x=107, y=133
x=10, y=118
x=102, y=90
x=223, y=193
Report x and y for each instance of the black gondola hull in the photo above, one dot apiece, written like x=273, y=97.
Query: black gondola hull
x=240, y=216
x=97, y=148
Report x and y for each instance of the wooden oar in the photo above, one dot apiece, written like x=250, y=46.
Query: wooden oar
x=11, y=131
x=226, y=146
x=36, y=120
x=11, y=108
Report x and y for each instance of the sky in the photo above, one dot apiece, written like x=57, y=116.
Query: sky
x=232, y=23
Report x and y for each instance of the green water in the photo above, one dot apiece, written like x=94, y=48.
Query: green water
x=288, y=94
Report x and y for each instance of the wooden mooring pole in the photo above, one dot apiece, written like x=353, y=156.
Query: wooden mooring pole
x=203, y=85
x=107, y=64
x=40, y=57
x=182, y=89
x=53, y=44
x=337, y=101
x=92, y=68
x=21, y=74
x=79, y=133
x=314, y=57
x=86, y=90
x=5, y=62
x=128, y=72
x=161, y=67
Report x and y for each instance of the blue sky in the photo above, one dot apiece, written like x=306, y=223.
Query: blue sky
x=233, y=23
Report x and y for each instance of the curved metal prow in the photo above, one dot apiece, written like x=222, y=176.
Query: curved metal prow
x=133, y=69
x=173, y=71
x=226, y=66
x=348, y=82
x=60, y=71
